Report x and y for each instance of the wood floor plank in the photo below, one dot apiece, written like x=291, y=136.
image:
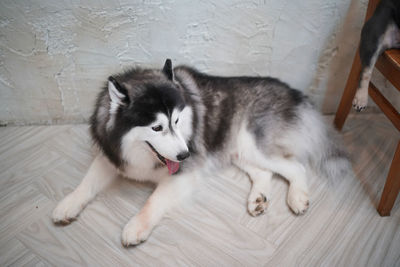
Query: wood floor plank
x=20, y=209
x=64, y=246
x=20, y=173
x=27, y=138
x=10, y=251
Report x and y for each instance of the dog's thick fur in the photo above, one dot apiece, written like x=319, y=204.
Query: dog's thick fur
x=379, y=33
x=146, y=122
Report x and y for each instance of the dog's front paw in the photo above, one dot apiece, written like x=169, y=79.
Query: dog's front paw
x=136, y=231
x=257, y=204
x=360, y=100
x=67, y=210
x=298, y=200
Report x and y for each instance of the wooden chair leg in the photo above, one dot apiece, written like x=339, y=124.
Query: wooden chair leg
x=348, y=93
x=392, y=186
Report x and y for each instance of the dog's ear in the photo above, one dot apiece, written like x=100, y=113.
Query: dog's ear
x=118, y=94
x=167, y=70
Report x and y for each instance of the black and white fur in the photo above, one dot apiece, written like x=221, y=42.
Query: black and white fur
x=144, y=117
x=380, y=32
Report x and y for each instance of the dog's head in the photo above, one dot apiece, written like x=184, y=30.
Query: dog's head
x=149, y=108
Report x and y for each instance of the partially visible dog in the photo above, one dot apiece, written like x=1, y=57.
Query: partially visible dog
x=379, y=33
x=173, y=126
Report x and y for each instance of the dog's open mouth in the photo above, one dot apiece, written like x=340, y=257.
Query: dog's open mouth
x=172, y=166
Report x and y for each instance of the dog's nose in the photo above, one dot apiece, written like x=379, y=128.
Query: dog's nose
x=183, y=155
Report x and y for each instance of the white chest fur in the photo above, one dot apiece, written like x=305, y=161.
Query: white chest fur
x=142, y=165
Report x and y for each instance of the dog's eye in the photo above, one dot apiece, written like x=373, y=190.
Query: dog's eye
x=176, y=120
x=157, y=128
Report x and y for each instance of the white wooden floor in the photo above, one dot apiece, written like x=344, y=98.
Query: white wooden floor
x=41, y=164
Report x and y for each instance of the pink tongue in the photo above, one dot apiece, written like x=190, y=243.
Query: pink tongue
x=172, y=166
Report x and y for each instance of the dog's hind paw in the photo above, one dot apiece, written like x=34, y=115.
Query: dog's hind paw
x=298, y=200
x=257, y=204
x=360, y=100
x=135, y=232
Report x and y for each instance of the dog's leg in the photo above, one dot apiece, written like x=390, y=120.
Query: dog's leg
x=171, y=191
x=258, y=199
x=99, y=175
x=295, y=173
x=288, y=167
x=371, y=46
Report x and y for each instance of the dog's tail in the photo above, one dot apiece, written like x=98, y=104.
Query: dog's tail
x=325, y=149
x=333, y=161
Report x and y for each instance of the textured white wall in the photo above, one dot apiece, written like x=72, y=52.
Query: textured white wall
x=54, y=55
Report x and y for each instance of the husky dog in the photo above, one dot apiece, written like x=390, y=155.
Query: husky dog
x=380, y=32
x=172, y=126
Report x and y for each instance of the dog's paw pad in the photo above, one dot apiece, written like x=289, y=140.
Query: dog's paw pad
x=134, y=233
x=298, y=200
x=257, y=204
